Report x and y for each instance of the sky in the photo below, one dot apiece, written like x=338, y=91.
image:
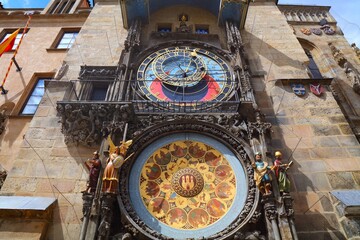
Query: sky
x=346, y=12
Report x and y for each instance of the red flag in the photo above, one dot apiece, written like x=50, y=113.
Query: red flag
x=8, y=44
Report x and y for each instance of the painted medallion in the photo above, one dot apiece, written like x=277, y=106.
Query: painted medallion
x=187, y=185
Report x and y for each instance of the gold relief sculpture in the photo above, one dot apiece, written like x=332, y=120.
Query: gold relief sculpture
x=187, y=185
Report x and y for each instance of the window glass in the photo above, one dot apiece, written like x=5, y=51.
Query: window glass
x=67, y=40
x=17, y=39
x=202, y=30
x=99, y=93
x=35, y=98
x=313, y=68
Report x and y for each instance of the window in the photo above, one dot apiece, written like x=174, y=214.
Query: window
x=164, y=27
x=202, y=29
x=17, y=39
x=67, y=40
x=35, y=97
x=99, y=92
x=70, y=7
x=54, y=8
x=313, y=68
x=62, y=7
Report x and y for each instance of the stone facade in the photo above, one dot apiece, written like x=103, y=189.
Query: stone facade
x=319, y=134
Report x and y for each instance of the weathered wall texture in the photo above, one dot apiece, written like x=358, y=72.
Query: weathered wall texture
x=100, y=41
x=311, y=131
x=45, y=165
x=273, y=49
x=35, y=61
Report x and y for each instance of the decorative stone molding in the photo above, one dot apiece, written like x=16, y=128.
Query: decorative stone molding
x=83, y=123
x=288, y=204
x=133, y=37
x=338, y=55
x=97, y=72
x=255, y=235
x=3, y=118
x=356, y=50
x=269, y=207
x=306, y=14
x=351, y=72
x=107, y=203
x=87, y=203
x=258, y=127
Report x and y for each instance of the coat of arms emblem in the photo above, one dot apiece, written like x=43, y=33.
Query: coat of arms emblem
x=298, y=89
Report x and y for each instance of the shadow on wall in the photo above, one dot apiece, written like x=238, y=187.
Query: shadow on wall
x=315, y=217
x=261, y=48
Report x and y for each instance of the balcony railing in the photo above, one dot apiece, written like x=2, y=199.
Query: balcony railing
x=129, y=92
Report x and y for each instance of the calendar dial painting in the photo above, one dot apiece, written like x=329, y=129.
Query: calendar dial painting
x=188, y=186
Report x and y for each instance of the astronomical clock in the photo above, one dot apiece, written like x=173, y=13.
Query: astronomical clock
x=186, y=102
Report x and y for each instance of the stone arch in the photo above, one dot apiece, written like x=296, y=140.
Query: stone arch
x=318, y=56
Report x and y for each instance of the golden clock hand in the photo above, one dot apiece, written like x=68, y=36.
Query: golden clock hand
x=193, y=55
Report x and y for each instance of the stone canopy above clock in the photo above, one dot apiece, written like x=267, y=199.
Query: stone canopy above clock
x=224, y=10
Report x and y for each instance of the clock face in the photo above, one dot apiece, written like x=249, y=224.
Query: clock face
x=184, y=74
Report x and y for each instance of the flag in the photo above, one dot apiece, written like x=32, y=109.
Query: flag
x=7, y=45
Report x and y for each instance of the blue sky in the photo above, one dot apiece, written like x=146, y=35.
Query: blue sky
x=345, y=12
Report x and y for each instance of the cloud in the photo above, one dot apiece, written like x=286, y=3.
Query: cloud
x=5, y=1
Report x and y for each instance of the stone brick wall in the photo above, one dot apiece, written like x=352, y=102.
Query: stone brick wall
x=44, y=165
x=311, y=131
x=100, y=40
x=273, y=49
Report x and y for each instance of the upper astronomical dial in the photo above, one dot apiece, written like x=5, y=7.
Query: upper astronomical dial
x=184, y=74
x=179, y=67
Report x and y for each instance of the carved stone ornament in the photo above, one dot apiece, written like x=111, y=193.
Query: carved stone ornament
x=98, y=72
x=353, y=75
x=338, y=55
x=259, y=126
x=234, y=123
x=62, y=71
x=87, y=202
x=83, y=123
x=107, y=202
x=3, y=117
x=239, y=146
x=256, y=235
x=288, y=204
x=269, y=207
x=133, y=37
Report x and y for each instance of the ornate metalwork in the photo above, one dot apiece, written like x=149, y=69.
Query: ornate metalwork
x=181, y=124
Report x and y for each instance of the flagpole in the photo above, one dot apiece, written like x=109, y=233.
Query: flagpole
x=3, y=91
